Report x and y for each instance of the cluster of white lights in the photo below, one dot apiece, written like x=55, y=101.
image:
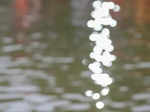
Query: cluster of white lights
x=103, y=47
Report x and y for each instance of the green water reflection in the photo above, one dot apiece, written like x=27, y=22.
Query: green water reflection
x=49, y=73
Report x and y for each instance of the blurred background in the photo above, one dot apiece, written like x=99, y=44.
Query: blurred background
x=44, y=54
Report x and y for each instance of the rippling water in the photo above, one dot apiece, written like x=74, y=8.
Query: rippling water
x=49, y=72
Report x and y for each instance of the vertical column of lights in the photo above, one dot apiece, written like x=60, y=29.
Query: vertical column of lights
x=103, y=47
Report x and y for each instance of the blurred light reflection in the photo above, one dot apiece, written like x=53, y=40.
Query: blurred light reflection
x=103, y=47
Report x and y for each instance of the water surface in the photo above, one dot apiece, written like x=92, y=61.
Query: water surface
x=48, y=72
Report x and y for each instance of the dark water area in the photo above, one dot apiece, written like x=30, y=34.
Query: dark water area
x=43, y=64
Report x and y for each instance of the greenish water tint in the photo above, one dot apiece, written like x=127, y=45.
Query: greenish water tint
x=49, y=73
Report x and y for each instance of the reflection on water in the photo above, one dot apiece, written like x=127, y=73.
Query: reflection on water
x=48, y=72
x=103, y=47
